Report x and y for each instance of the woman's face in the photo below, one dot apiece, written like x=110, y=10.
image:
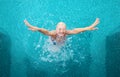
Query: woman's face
x=61, y=29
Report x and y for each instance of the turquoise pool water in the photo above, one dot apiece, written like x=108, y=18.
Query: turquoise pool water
x=89, y=54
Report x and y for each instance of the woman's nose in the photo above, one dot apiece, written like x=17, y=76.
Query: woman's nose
x=61, y=31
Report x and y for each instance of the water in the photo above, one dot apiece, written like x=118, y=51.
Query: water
x=89, y=54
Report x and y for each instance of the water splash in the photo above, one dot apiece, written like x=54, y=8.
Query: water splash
x=58, y=56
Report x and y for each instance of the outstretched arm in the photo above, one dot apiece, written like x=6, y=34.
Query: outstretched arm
x=34, y=28
x=78, y=30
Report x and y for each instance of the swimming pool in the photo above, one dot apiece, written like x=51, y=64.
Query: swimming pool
x=89, y=54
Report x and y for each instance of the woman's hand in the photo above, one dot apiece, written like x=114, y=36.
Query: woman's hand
x=93, y=26
x=33, y=28
x=27, y=23
x=97, y=21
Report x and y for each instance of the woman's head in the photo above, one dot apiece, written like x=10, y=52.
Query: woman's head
x=61, y=29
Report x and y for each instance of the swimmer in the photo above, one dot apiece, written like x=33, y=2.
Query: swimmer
x=60, y=33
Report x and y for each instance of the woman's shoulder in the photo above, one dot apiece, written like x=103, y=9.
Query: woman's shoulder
x=53, y=32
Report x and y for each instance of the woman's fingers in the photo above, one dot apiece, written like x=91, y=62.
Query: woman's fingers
x=97, y=20
x=25, y=21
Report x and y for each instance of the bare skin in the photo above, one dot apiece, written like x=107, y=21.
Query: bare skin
x=61, y=29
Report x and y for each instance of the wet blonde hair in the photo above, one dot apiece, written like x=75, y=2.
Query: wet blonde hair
x=61, y=23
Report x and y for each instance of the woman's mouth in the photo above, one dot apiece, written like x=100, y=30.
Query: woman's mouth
x=61, y=35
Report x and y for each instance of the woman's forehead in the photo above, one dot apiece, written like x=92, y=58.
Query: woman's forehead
x=61, y=23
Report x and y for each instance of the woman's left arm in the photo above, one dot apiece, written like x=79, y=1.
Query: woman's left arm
x=78, y=30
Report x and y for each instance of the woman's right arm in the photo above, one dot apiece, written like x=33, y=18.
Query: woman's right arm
x=42, y=30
